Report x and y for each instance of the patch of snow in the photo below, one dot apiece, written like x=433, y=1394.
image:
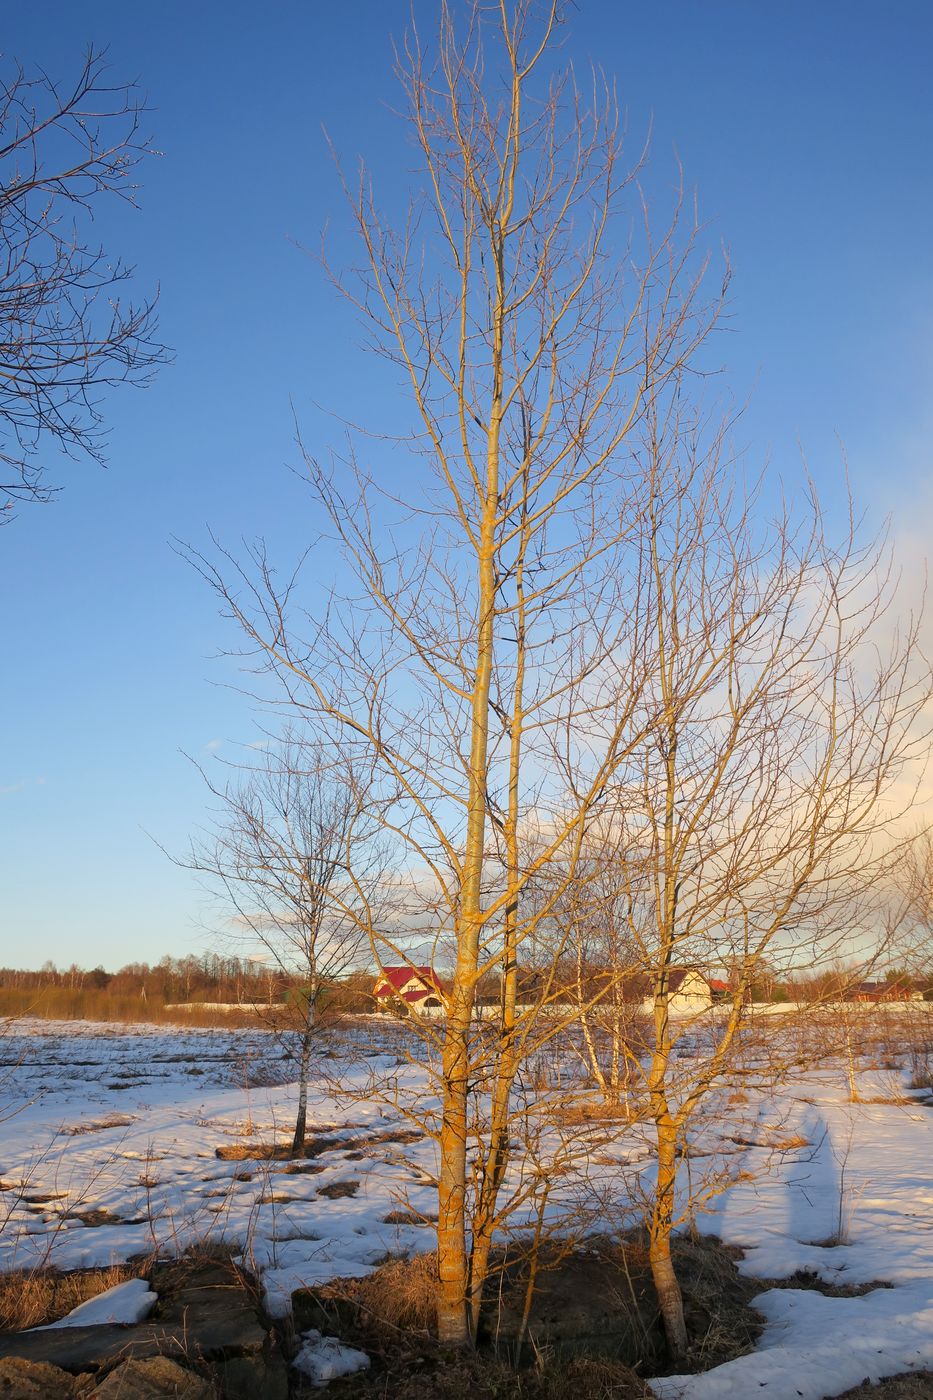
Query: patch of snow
x=324, y=1359
x=127, y=1302
x=814, y=1346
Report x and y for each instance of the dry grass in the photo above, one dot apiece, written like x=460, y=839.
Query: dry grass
x=113, y=1120
x=43, y=1296
x=806, y=1278
x=86, y=1004
x=454, y=1376
x=916, y=1386
x=391, y=1315
x=592, y=1112
x=314, y=1146
x=399, y=1297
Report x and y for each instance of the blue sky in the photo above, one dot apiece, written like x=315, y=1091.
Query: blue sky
x=807, y=130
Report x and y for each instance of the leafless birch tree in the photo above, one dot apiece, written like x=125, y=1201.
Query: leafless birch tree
x=286, y=836
x=759, y=823
x=533, y=310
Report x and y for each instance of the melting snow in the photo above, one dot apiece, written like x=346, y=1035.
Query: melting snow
x=324, y=1359
x=127, y=1302
x=111, y=1152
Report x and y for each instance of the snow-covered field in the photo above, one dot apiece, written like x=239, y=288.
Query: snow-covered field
x=108, y=1149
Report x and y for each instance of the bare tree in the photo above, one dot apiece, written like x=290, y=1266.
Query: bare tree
x=533, y=314
x=758, y=824
x=915, y=881
x=65, y=334
x=290, y=854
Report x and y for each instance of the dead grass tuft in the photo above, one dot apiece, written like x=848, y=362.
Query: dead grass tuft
x=338, y=1190
x=45, y=1295
x=807, y=1278
x=397, y=1298
x=113, y=1120
x=313, y=1146
x=592, y=1113
x=408, y=1217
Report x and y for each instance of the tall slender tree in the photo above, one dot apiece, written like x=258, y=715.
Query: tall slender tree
x=533, y=311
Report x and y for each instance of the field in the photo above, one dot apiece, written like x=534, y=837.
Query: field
x=122, y=1142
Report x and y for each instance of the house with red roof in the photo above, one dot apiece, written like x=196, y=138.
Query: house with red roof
x=419, y=988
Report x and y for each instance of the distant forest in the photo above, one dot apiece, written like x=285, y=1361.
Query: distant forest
x=189, y=991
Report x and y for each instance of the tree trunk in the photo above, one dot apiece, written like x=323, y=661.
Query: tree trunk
x=670, y=1298
x=452, y=1326
x=298, y=1141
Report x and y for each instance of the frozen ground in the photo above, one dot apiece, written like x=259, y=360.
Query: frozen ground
x=854, y=1208
x=111, y=1152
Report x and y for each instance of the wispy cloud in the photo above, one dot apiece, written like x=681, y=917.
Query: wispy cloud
x=6, y=789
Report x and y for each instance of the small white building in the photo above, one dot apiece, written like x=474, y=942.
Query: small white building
x=689, y=993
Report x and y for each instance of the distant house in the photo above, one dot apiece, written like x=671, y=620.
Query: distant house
x=722, y=990
x=883, y=991
x=417, y=987
x=689, y=992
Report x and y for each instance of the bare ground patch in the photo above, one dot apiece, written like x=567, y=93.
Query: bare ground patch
x=313, y=1147
x=594, y=1329
x=807, y=1278
x=912, y=1386
x=113, y=1120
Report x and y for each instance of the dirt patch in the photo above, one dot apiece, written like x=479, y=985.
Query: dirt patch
x=806, y=1278
x=915, y=1386
x=339, y=1190
x=92, y=1219
x=113, y=1121
x=314, y=1147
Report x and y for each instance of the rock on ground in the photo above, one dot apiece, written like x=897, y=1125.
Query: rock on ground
x=156, y=1378
x=34, y=1380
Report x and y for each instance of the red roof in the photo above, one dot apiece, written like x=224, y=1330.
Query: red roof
x=394, y=979
x=880, y=991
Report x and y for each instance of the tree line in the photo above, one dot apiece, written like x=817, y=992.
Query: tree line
x=144, y=991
